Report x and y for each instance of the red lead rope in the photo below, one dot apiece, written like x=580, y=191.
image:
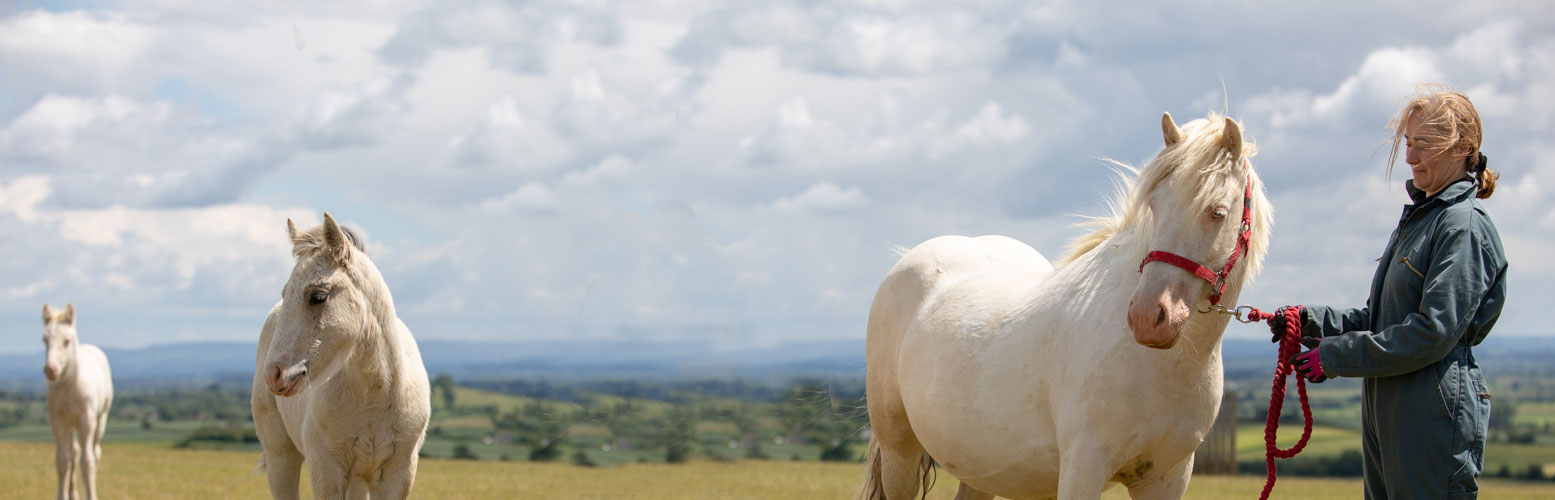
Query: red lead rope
x=1290, y=345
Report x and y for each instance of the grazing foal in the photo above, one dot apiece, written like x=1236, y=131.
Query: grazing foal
x=338, y=379
x=80, y=393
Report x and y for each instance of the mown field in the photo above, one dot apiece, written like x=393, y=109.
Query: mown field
x=134, y=471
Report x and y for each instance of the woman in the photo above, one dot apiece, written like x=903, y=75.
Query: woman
x=1438, y=289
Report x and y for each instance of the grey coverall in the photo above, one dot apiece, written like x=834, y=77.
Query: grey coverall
x=1438, y=289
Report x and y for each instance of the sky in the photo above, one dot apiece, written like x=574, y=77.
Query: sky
x=729, y=172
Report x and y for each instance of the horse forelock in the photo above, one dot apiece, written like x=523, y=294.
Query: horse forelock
x=1202, y=156
x=309, y=242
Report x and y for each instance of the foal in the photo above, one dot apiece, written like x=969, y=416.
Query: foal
x=338, y=379
x=80, y=393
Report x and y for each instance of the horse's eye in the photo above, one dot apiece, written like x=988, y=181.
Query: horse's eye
x=317, y=297
x=1219, y=213
x=67, y=342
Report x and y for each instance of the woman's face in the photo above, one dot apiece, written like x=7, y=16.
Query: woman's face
x=1434, y=169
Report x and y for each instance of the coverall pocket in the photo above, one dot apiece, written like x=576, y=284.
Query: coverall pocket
x=1482, y=425
x=1463, y=391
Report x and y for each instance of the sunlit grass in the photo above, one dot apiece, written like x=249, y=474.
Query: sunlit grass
x=130, y=471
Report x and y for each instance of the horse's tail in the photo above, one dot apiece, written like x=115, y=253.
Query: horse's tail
x=874, y=483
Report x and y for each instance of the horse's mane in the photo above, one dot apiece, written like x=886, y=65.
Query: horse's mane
x=312, y=240
x=1127, y=207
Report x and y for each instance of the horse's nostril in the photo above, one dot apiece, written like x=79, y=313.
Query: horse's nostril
x=1160, y=317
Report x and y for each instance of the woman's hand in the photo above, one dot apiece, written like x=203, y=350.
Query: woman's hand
x=1309, y=364
x=1277, y=323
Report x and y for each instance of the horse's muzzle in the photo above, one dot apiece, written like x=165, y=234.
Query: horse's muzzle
x=1157, y=323
x=286, y=379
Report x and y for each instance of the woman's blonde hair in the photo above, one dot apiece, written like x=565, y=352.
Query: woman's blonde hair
x=1451, y=125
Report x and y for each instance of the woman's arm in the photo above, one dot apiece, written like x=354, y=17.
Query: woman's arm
x=1463, y=270
x=1324, y=321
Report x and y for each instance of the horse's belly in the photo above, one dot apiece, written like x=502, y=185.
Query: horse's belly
x=980, y=413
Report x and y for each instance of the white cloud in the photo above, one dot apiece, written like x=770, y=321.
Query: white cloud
x=610, y=169
x=211, y=257
x=992, y=125
x=505, y=139
x=516, y=39
x=534, y=197
x=877, y=39
x=59, y=124
x=355, y=115
x=822, y=197
x=70, y=52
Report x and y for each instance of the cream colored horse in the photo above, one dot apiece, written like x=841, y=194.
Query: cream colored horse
x=1023, y=380
x=79, y=396
x=338, y=379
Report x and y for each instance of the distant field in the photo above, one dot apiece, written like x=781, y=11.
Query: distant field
x=1541, y=413
x=1333, y=441
x=131, y=471
x=161, y=434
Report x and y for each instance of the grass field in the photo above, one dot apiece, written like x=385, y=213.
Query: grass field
x=1333, y=441
x=132, y=471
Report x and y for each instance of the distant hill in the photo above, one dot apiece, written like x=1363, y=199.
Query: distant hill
x=232, y=362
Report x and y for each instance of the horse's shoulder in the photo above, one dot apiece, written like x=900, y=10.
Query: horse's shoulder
x=95, y=355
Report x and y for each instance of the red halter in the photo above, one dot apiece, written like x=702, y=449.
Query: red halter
x=1217, y=281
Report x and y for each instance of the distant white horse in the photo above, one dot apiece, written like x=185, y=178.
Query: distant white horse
x=1021, y=379
x=80, y=393
x=338, y=379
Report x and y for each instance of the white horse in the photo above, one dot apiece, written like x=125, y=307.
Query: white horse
x=80, y=393
x=338, y=379
x=1021, y=379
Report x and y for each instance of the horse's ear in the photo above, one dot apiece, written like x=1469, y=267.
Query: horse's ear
x=48, y=314
x=1232, y=138
x=70, y=314
x=291, y=230
x=335, y=241
x=1169, y=130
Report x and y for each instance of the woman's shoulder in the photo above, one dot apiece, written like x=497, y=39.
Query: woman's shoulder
x=1470, y=219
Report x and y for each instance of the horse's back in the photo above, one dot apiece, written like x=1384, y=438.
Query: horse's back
x=927, y=268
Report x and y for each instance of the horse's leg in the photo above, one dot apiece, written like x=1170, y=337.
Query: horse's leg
x=282, y=459
x=327, y=475
x=87, y=455
x=64, y=459
x=970, y=493
x=1082, y=470
x=356, y=489
x=396, y=481
x=97, y=434
x=901, y=456
x=1171, y=485
x=901, y=470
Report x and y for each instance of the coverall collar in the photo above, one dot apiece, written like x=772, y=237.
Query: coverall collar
x=1453, y=193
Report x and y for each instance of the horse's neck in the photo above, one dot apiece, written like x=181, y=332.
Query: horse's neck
x=67, y=374
x=376, y=358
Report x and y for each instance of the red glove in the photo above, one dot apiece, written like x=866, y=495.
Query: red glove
x=1309, y=366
